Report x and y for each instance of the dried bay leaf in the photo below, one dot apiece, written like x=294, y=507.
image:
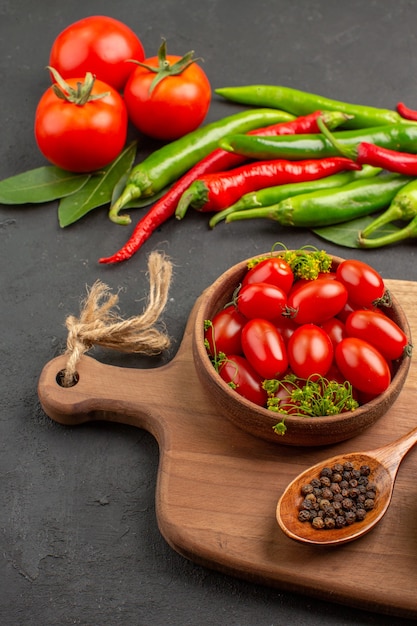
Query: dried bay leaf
x=40, y=185
x=346, y=234
x=98, y=191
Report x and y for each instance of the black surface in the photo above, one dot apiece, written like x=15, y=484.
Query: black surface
x=79, y=542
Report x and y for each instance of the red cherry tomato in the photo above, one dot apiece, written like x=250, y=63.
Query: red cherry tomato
x=310, y=351
x=97, y=44
x=264, y=348
x=335, y=328
x=364, y=284
x=261, y=300
x=317, y=300
x=362, y=365
x=240, y=375
x=274, y=271
x=379, y=330
x=284, y=394
x=225, y=331
x=286, y=327
x=81, y=138
x=176, y=106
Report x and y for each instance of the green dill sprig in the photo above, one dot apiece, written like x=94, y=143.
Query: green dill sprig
x=314, y=397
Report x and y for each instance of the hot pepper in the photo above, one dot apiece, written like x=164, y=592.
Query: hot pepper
x=165, y=165
x=215, y=192
x=272, y=195
x=370, y=154
x=215, y=161
x=406, y=112
x=301, y=102
x=395, y=136
x=408, y=232
x=331, y=206
x=403, y=207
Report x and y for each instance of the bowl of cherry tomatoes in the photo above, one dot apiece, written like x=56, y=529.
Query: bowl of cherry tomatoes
x=301, y=348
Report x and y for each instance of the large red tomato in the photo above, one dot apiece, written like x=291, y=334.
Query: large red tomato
x=81, y=137
x=97, y=44
x=173, y=107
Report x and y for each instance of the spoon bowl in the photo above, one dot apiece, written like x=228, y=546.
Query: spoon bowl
x=383, y=462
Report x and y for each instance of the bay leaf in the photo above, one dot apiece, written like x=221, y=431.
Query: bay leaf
x=40, y=185
x=98, y=191
x=346, y=234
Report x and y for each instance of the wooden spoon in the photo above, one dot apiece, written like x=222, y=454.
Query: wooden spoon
x=383, y=462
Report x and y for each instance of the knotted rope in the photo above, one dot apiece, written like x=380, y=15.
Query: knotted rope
x=100, y=324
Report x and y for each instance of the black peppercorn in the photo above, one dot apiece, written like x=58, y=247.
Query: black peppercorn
x=339, y=496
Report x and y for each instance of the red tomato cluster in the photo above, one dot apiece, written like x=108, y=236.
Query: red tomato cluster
x=330, y=327
x=83, y=136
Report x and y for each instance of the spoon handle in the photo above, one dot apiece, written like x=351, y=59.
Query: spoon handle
x=392, y=454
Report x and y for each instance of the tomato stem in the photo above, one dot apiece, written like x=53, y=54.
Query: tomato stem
x=165, y=68
x=79, y=96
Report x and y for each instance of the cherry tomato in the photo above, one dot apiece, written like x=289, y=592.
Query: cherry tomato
x=284, y=394
x=316, y=301
x=379, y=330
x=364, y=284
x=177, y=105
x=264, y=348
x=225, y=331
x=335, y=328
x=274, y=271
x=362, y=365
x=286, y=327
x=310, y=351
x=261, y=300
x=240, y=375
x=97, y=44
x=81, y=138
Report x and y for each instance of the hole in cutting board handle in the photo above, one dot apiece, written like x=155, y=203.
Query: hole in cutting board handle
x=60, y=377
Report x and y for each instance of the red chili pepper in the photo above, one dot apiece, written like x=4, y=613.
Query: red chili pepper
x=406, y=112
x=366, y=153
x=215, y=192
x=217, y=161
x=391, y=160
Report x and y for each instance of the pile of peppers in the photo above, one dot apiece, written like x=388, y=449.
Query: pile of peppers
x=298, y=158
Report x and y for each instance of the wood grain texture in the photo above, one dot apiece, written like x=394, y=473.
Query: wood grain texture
x=218, y=487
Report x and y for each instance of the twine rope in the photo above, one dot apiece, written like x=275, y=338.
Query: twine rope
x=99, y=322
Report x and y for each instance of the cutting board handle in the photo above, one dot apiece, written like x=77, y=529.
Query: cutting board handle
x=156, y=399
x=104, y=392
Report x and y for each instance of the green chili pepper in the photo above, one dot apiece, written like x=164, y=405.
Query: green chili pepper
x=300, y=103
x=273, y=195
x=316, y=146
x=165, y=165
x=408, y=232
x=331, y=206
x=403, y=207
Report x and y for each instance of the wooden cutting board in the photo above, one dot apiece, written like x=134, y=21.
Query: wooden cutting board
x=218, y=487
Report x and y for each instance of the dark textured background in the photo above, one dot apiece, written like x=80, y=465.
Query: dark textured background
x=79, y=542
